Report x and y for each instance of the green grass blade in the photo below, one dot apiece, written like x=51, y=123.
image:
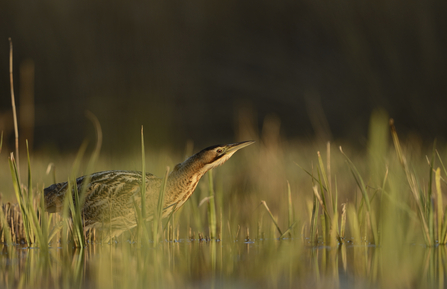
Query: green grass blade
x=354, y=224
x=75, y=198
x=271, y=216
x=160, y=205
x=141, y=214
x=442, y=164
x=312, y=176
x=321, y=201
x=324, y=175
x=143, y=177
x=430, y=179
x=93, y=157
x=413, y=186
x=334, y=232
x=21, y=199
x=440, y=207
x=75, y=210
x=359, y=180
x=170, y=216
x=288, y=231
x=38, y=229
x=211, y=206
x=314, y=222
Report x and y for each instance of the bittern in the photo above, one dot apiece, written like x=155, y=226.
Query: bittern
x=111, y=197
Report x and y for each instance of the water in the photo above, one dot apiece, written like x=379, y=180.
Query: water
x=224, y=264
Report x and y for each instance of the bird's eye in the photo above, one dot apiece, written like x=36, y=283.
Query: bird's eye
x=219, y=151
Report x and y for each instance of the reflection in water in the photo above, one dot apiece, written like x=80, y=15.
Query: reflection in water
x=185, y=264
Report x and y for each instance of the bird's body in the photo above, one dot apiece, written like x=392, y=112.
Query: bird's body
x=112, y=196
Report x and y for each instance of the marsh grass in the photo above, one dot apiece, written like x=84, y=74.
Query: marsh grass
x=429, y=199
x=140, y=212
x=368, y=217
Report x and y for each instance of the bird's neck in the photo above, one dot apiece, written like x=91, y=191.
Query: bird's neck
x=183, y=180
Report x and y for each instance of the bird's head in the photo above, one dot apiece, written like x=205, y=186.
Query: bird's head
x=210, y=157
x=216, y=155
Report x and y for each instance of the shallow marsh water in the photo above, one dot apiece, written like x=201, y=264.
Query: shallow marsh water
x=224, y=264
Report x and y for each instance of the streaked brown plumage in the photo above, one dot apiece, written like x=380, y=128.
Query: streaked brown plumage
x=111, y=195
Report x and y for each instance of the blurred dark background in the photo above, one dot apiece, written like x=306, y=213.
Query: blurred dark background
x=198, y=69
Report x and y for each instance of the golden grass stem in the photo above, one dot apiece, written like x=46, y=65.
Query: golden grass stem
x=343, y=222
x=329, y=176
x=13, y=102
x=440, y=207
x=290, y=206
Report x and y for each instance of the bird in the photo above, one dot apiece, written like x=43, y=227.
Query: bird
x=111, y=197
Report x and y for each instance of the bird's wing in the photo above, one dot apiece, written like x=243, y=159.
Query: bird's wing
x=98, y=183
x=108, y=196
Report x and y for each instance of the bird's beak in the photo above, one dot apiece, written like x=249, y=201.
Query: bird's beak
x=232, y=148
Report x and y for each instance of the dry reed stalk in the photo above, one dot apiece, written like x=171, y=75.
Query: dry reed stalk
x=13, y=103
x=13, y=220
x=11, y=224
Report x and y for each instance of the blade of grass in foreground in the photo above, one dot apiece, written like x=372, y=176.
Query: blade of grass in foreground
x=312, y=176
x=325, y=179
x=359, y=180
x=212, y=206
x=37, y=228
x=212, y=224
x=314, y=221
x=21, y=199
x=413, y=186
x=141, y=212
x=72, y=208
x=324, y=185
x=76, y=193
x=443, y=238
x=290, y=208
x=442, y=164
x=271, y=216
x=76, y=216
x=342, y=223
x=429, y=207
x=33, y=229
x=440, y=208
x=159, y=210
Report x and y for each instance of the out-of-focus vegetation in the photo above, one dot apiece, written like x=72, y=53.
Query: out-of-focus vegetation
x=184, y=70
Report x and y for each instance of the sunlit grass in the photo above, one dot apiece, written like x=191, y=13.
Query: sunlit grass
x=374, y=218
